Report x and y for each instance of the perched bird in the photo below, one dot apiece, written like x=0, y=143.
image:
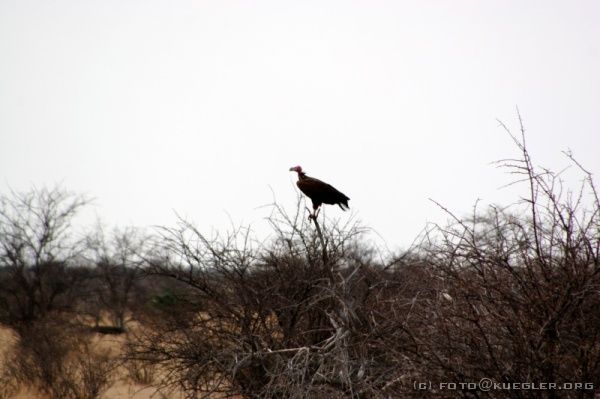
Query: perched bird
x=319, y=192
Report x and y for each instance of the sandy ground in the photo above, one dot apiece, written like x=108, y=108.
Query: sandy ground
x=120, y=390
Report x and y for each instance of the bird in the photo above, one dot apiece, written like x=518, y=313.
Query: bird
x=319, y=192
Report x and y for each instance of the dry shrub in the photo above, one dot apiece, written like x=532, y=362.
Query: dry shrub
x=93, y=372
x=8, y=383
x=59, y=361
x=140, y=371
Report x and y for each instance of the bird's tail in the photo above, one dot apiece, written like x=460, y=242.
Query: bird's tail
x=344, y=205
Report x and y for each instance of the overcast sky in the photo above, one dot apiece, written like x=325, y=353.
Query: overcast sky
x=201, y=107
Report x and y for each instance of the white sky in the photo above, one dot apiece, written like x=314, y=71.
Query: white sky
x=202, y=106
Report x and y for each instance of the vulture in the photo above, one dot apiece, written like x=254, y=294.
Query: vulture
x=319, y=192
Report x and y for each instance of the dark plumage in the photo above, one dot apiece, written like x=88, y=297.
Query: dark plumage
x=319, y=192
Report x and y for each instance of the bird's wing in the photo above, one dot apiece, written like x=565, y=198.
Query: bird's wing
x=311, y=187
x=317, y=189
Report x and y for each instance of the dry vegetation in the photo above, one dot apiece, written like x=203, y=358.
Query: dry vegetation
x=511, y=294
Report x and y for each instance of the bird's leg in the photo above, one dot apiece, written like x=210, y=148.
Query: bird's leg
x=316, y=212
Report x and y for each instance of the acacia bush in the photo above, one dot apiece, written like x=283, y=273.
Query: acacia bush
x=523, y=288
x=284, y=319
x=266, y=321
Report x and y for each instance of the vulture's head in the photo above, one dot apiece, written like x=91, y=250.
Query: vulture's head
x=296, y=169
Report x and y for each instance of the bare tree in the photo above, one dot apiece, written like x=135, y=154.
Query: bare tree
x=117, y=259
x=35, y=246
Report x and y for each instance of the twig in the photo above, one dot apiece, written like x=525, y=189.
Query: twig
x=320, y=233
